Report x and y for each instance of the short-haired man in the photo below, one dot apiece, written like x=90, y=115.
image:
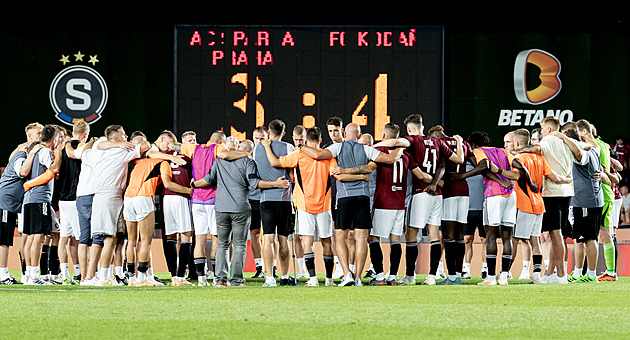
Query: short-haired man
x=530, y=206
x=606, y=232
x=189, y=137
x=587, y=206
x=203, y=199
x=425, y=208
x=69, y=229
x=37, y=204
x=276, y=209
x=353, y=200
x=556, y=196
x=299, y=139
x=11, y=198
x=259, y=134
x=232, y=180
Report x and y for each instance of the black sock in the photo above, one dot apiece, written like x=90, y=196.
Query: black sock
x=537, y=261
x=184, y=257
x=192, y=274
x=411, y=255
x=143, y=267
x=491, y=260
x=131, y=269
x=329, y=264
x=376, y=255
x=170, y=254
x=506, y=262
x=436, y=254
x=53, y=260
x=460, y=251
x=213, y=263
x=395, y=253
x=43, y=260
x=450, y=255
x=200, y=266
x=309, y=262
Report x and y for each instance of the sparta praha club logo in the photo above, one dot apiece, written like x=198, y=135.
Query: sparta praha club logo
x=78, y=93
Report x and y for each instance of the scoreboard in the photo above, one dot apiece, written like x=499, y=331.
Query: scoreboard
x=236, y=78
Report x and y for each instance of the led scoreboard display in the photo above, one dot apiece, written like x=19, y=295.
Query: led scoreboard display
x=236, y=78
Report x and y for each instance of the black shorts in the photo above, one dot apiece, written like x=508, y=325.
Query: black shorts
x=276, y=218
x=8, y=223
x=556, y=214
x=475, y=222
x=37, y=218
x=353, y=213
x=255, y=214
x=586, y=222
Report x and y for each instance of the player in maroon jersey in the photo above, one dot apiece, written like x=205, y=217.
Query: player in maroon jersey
x=454, y=207
x=425, y=209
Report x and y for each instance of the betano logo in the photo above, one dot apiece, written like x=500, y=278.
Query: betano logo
x=548, y=66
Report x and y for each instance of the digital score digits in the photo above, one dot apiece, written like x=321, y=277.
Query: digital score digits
x=236, y=78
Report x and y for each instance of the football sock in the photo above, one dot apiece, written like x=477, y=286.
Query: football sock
x=301, y=262
x=460, y=251
x=258, y=262
x=450, y=247
x=64, y=271
x=77, y=270
x=329, y=264
x=537, y=259
x=466, y=268
x=436, y=254
x=395, y=254
x=170, y=254
x=43, y=260
x=591, y=273
x=4, y=273
x=200, y=266
x=411, y=255
x=376, y=256
x=213, y=263
x=309, y=262
x=609, y=255
x=185, y=249
x=143, y=267
x=506, y=261
x=131, y=269
x=119, y=271
x=526, y=265
x=491, y=260
x=53, y=260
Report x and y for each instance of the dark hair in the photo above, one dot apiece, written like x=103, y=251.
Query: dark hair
x=391, y=130
x=261, y=129
x=136, y=134
x=49, y=132
x=276, y=127
x=335, y=121
x=313, y=134
x=479, y=138
x=437, y=128
x=414, y=119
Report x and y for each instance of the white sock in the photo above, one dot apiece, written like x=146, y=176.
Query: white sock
x=440, y=267
x=4, y=273
x=104, y=275
x=119, y=272
x=65, y=274
x=28, y=271
x=258, y=262
x=526, y=265
x=577, y=271
x=300, y=262
x=380, y=276
x=591, y=273
x=34, y=272
x=565, y=266
x=484, y=267
x=351, y=268
x=458, y=275
x=284, y=277
x=546, y=263
x=150, y=272
x=466, y=268
x=336, y=258
x=77, y=270
x=492, y=277
x=143, y=277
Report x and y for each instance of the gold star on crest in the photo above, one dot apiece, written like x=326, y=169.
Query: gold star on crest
x=79, y=56
x=93, y=60
x=65, y=59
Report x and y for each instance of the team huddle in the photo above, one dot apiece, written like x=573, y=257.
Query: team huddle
x=96, y=201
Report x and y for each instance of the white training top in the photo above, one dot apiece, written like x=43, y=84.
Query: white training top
x=109, y=167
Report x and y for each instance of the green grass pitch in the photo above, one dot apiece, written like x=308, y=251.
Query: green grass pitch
x=516, y=311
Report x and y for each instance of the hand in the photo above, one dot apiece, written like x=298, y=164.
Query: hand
x=534, y=187
x=430, y=189
x=506, y=184
x=265, y=142
x=336, y=170
x=127, y=146
x=493, y=167
x=458, y=138
x=598, y=175
x=178, y=160
x=37, y=148
x=282, y=183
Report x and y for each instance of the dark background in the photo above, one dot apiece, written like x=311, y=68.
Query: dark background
x=135, y=50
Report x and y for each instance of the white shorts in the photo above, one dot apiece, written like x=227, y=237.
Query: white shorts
x=177, y=214
x=204, y=220
x=306, y=224
x=425, y=209
x=69, y=219
x=107, y=207
x=527, y=225
x=500, y=211
x=20, y=217
x=137, y=208
x=387, y=222
x=616, y=212
x=455, y=209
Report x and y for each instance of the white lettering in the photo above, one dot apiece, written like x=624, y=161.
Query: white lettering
x=84, y=100
x=504, y=117
x=531, y=117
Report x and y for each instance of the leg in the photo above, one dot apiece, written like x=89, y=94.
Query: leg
x=240, y=228
x=284, y=254
x=269, y=241
x=224, y=231
x=361, y=245
x=342, y=249
x=491, y=250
